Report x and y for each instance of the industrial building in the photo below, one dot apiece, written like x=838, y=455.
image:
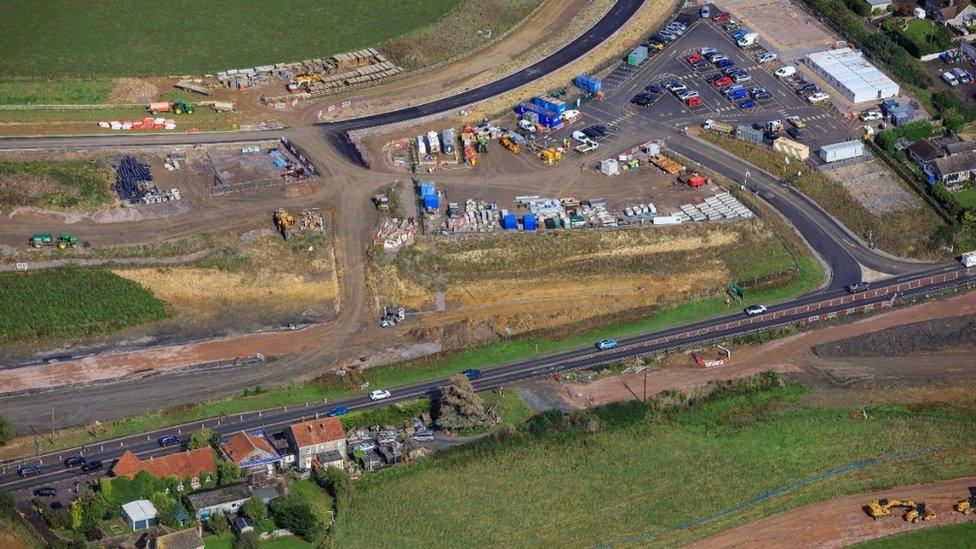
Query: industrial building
x=852, y=75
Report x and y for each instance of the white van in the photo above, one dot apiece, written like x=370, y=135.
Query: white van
x=784, y=72
x=950, y=78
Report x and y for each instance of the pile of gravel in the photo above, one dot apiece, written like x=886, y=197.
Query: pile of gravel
x=930, y=335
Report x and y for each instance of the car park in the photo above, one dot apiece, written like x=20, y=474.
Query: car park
x=753, y=310
x=765, y=57
x=168, y=440
x=870, y=115
x=747, y=104
x=74, y=461
x=46, y=491
x=29, y=471
x=795, y=133
x=654, y=88
x=379, y=394
x=472, y=373
x=605, y=344
x=858, y=287
x=337, y=411
x=93, y=465
x=818, y=97
x=786, y=71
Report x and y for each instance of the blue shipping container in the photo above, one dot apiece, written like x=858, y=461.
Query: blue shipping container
x=550, y=104
x=588, y=83
x=509, y=222
x=528, y=222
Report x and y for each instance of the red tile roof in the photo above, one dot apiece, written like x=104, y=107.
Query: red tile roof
x=244, y=447
x=317, y=431
x=181, y=464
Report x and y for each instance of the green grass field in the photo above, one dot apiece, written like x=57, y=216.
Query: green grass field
x=69, y=185
x=71, y=302
x=76, y=38
x=55, y=92
x=967, y=197
x=670, y=477
x=958, y=536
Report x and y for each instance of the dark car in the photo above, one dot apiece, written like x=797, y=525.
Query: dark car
x=168, y=440
x=591, y=133
x=74, y=461
x=700, y=64
x=795, y=133
x=45, y=491
x=28, y=471
x=601, y=129
x=655, y=88
x=858, y=287
x=93, y=465
x=337, y=411
x=472, y=373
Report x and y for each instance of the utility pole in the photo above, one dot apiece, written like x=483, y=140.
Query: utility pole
x=52, y=426
x=645, y=386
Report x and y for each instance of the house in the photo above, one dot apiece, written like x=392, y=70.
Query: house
x=253, y=453
x=958, y=147
x=184, y=465
x=941, y=11
x=310, y=439
x=963, y=20
x=879, y=6
x=954, y=170
x=140, y=514
x=922, y=152
x=183, y=539
x=228, y=499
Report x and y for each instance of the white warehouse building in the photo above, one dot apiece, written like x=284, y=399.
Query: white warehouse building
x=852, y=75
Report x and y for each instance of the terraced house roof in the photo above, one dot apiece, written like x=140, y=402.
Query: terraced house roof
x=181, y=464
x=317, y=431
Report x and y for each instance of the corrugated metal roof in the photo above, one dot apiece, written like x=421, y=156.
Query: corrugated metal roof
x=140, y=509
x=854, y=72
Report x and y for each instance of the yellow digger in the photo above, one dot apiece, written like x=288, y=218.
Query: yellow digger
x=882, y=507
x=920, y=512
x=283, y=221
x=550, y=155
x=966, y=506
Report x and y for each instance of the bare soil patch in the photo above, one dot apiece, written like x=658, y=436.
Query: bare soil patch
x=132, y=90
x=875, y=188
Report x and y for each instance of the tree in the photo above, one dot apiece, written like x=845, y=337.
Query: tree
x=217, y=523
x=953, y=121
x=76, y=514
x=6, y=431
x=200, y=439
x=166, y=509
x=248, y=540
x=255, y=509
x=335, y=480
x=295, y=514
x=460, y=406
x=227, y=472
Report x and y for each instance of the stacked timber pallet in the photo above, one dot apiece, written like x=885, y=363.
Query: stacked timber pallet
x=340, y=70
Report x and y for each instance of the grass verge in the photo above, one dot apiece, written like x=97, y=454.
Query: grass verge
x=69, y=302
x=639, y=471
x=59, y=185
x=957, y=535
x=55, y=92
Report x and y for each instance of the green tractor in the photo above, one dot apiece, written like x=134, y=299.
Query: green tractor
x=65, y=240
x=182, y=106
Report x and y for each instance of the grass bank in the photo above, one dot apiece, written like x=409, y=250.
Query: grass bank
x=957, y=535
x=904, y=232
x=56, y=92
x=58, y=185
x=669, y=474
x=71, y=302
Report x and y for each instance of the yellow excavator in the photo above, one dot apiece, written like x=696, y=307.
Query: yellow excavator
x=966, y=506
x=551, y=155
x=283, y=221
x=920, y=512
x=882, y=507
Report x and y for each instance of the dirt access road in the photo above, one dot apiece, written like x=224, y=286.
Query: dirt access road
x=842, y=521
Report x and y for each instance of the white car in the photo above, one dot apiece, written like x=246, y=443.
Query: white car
x=870, y=116
x=379, y=394
x=579, y=137
x=765, y=57
x=687, y=94
x=818, y=97
x=571, y=114
x=526, y=125
x=784, y=72
x=707, y=50
x=753, y=310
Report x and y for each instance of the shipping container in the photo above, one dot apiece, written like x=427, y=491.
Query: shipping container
x=842, y=151
x=550, y=104
x=637, y=56
x=588, y=83
x=421, y=146
x=433, y=142
x=748, y=134
x=665, y=220
x=447, y=141
x=509, y=222
x=529, y=222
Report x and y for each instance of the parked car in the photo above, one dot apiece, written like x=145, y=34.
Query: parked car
x=605, y=344
x=737, y=94
x=644, y=99
x=700, y=64
x=771, y=135
x=722, y=17
x=950, y=79
x=713, y=55
x=705, y=12
x=46, y=491
x=675, y=86
x=765, y=57
x=472, y=373
x=795, y=133
x=870, y=116
x=579, y=136
x=74, y=461
x=962, y=74
x=526, y=125
x=590, y=134
x=723, y=63
x=600, y=129
x=722, y=82
x=807, y=89
x=753, y=310
x=859, y=287
x=425, y=435
x=694, y=58
x=654, y=88
x=93, y=465
x=741, y=77
x=168, y=440
x=655, y=45
x=570, y=114
x=687, y=94
x=337, y=411
x=693, y=102
x=784, y=72
x=818, y=97
x=760, y=94
x=706, y=50
x=379, y=394
x=29, y=471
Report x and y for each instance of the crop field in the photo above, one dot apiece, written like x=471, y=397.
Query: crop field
x=71, y=302
x=68, y=185
x=85, y=39
x=666, y=477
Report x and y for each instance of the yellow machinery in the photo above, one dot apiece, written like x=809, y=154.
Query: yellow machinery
x=550, y=155
x=283, y=221
x=920, y=512
x=509, y=144
x=966, y=506
x=882, y=507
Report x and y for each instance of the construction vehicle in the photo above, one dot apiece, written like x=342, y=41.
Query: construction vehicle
x=550, y=155
x=882, y=507
x=303, y=81
x=512, y=146
x=180, y=106
x=966, y=506
x=920, y=512
x=64, y=240
x=666, y=164
x=283, y=221
x=382, y=202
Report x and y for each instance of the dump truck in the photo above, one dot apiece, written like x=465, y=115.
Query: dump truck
x=63, y=241
x=180, y=106
x=720, y=127
x=509, y=144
